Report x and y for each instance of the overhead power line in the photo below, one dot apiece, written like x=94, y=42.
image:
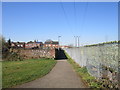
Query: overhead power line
x=75, y=18
x=66, y=17
x=84, y=16
x=75, y=15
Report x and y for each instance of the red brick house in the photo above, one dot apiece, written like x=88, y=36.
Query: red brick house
x=51, y=44
x=34, y=44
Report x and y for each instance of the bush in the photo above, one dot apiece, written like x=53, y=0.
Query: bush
x=11, y=56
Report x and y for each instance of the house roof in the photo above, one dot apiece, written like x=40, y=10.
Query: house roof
x=30, y=42
x=34, y=42
x=55, y=42
x=39, y=42
x=48, y=42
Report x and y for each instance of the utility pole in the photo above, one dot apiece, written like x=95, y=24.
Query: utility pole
x=75, y=41
x=78, y=41
x=106, y=38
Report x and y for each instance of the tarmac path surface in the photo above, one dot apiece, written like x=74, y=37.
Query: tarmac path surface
x=61, y=76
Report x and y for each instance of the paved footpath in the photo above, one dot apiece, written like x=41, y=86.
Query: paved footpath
x=61, y=76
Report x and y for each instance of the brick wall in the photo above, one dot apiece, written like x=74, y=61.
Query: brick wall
x=36, y=53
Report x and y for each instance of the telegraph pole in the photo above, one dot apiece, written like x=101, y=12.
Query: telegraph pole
x=106, y=38
x=78, y=41
x=75, y=41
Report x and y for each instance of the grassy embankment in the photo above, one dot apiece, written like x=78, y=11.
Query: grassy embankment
x=83, y=73
x=19, y=72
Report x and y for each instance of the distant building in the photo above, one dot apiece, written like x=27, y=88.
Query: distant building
x=30, y=44
x=51, y=44
x=34, y=44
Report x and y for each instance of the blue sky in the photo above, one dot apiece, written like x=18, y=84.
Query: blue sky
x=92, y=21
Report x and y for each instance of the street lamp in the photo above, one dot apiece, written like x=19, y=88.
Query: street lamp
x=59, y=42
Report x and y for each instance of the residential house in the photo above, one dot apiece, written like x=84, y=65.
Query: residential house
x=34, y=44
x=51, y=44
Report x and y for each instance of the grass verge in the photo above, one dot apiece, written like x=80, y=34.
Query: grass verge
x=83, y=73
x=19, y=72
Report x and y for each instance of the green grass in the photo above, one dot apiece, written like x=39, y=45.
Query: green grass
x=19, y=72
x=82, y=72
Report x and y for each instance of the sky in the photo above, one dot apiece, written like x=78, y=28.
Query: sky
x=94, y=22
